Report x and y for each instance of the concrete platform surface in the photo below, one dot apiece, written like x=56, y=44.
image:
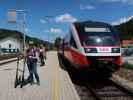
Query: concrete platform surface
x=7, y=60
x=55, y=83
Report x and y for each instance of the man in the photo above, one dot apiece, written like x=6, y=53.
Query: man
x=32, y=64
x=42, y=55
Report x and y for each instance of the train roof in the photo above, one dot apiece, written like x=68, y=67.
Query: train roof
x=91, y=24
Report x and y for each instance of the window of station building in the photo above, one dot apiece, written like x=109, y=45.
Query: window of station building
x=10, y=45
x=72, y=42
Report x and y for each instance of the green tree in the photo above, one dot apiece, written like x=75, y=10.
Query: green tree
x=126, y=30
x=57, y=42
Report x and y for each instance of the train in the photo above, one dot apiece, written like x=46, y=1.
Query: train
x=94, y=47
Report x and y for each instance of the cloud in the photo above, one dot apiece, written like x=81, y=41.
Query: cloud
x=53, y=30
x=122, y=20
x=121, y=1
x=111, y=0
x=86, y=7
x=65, y=18
x=42, y=21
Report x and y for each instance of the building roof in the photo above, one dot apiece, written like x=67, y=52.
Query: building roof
x=10, y=33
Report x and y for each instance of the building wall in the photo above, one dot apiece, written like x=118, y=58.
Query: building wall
x=127, y=43
x=15, y=43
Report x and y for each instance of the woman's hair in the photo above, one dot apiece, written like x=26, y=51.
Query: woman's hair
x=28, y=50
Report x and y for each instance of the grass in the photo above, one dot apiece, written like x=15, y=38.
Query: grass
x=128, y=66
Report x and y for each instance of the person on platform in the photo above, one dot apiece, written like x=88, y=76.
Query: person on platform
x=42, y=55
x=31, y=55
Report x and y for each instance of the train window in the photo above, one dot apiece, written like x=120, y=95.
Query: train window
x=67, y=38
x=72, y=42
x=98, y=36
x=100, y=29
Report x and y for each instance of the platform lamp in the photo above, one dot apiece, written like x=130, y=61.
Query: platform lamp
x=48, y=19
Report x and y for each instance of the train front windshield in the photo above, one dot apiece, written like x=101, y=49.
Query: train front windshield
x=101, y=36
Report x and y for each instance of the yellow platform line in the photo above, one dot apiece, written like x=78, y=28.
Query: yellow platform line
x=55, y=84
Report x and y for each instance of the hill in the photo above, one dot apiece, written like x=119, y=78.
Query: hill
x=126, y=30
x=19, y=35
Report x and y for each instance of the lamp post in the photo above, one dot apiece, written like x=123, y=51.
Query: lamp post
x=48, y=19
x=23, y=28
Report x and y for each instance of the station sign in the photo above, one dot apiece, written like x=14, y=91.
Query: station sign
x=12, y=16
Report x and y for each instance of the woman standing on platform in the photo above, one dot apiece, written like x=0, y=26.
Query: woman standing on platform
x=32, y=63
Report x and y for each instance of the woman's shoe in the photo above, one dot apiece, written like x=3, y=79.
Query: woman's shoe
x=38, y=83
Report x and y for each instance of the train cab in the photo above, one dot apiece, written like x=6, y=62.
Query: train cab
x=93, y=46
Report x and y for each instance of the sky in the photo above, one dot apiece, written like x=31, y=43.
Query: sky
x=48, y=19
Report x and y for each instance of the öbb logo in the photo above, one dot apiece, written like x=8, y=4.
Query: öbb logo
x=104, y=49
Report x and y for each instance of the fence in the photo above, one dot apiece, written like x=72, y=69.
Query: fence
x=8, y=51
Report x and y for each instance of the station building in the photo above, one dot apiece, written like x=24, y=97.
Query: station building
x=11, y=44
x=11, y=41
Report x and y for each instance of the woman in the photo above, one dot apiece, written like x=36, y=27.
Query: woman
x=32, y=64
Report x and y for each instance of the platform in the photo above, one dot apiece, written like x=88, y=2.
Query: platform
x=55, y=83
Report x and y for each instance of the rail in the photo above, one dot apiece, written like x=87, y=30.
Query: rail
x=113, y=90
x=8, y=60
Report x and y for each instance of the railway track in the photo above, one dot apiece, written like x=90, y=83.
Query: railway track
x=99, y=89
x=107, y=90
x=8, y=60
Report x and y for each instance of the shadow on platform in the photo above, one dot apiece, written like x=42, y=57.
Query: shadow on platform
x=19, y=82
x=80, y=77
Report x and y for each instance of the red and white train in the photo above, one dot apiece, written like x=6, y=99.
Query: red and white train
x=92, y=46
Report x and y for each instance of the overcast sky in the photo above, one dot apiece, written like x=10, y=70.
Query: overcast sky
x=62, y=13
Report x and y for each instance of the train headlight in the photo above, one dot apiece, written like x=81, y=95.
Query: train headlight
x=115, y=50
x=90, y=50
